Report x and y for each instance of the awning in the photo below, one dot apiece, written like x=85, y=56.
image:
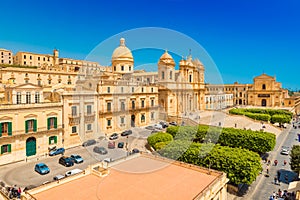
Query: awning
x=294, y=186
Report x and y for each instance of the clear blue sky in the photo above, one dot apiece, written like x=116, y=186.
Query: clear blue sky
x=244, y=38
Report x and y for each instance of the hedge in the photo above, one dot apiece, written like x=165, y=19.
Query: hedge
x=241, y=165
x=263, y=114
x=256, y=141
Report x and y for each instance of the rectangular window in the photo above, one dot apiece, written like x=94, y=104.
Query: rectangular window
x=19, y=98
x=162, y=75
x=74, y=129
x=6, y=148
x=143, y=118
x=143, y=103
x=53, y=140
x=190, y=78
x=52, y=123
x=39, y=59
x=142, y=89
x=89, y=109
x=133, y=104
x=122, y=106
x=152, y=102
x=24, y=56
x=89, y=127
x=108, y=89
x=37, y=97
x=28, y=97
x=122, y=119
x=30, y=125
x=152, y=115
x=108, y=106
x=122, y=89
x=74, y=111
x=5, y=129
x=152, y=90
x=30, y=57
x=108, y=122
x=122, y=68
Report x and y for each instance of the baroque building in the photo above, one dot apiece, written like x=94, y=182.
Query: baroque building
x=47, y=101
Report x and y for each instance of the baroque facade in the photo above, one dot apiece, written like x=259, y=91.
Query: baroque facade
x=48, y=101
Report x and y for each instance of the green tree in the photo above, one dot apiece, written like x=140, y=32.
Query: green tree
x=295, y=158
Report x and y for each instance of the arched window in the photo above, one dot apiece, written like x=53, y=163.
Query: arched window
x=162, y=75
x=263, y=86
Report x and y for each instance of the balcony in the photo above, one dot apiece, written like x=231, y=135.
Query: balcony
x=130, y=109
x=74, y=119
x=89, y=117
x=40, y=130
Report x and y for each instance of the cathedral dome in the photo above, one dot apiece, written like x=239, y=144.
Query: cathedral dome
x=122, y=52
x=167, y=58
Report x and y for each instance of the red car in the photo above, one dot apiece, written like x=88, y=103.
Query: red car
x=111, y=145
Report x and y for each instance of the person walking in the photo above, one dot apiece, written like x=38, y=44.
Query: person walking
x=275, y=162
x=284, y=162
x=275, y=180
x=267, y=170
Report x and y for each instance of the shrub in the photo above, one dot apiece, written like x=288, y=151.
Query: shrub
x=159, y=137
x=280, y=118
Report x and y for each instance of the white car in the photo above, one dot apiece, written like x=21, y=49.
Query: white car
x=285, y=150
x=73, y=171
x=158, y=126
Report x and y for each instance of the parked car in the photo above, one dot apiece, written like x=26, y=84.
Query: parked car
x=108, y=160
x=114, y=136
x=164, y=124
x=285, y=150
x=41, y=168
x=76, y=158
x=100, y=150
x=73, y=171
x=89, y=143
x=158, y=126
x=111, y=145
x=66, y=161
x=127, y=132
x=173, y=123
x=57, y=151
x=135, y=150
x=120, y=144
x=58, y=177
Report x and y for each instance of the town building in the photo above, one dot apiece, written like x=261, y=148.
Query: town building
x=6, y=57
x=88, y=100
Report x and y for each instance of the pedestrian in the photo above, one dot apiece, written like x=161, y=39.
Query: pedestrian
x=279, y=193
x=284, y=162
x=275, y=180
x=19, y=193
x=267, y=169
x=269, y=162
x=275, y=162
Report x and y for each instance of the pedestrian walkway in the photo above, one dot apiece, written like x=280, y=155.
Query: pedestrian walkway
x=217, y=118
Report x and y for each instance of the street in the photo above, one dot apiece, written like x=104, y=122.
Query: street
x=264, y=186
x=22, y=173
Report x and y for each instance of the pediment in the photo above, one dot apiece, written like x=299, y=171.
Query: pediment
x=30, y=116
x=264, y=76
x=5, y=118
x=27, y=86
